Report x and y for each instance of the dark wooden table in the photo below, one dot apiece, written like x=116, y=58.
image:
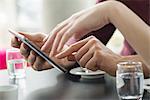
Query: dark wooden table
x=53, y=85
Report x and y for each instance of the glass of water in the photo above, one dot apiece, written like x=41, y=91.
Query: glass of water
x=16, y=64
x=130, y=80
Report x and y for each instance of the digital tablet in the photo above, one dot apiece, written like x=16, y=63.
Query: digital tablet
x=38, y=51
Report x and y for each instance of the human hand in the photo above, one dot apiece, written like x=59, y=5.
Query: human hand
x=30, y=55
x=34, y=60
x=76, y=27
x=93, y=55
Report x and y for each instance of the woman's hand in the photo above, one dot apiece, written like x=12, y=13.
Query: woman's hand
x=76, y=27
x=92, y=54
x=34, y=60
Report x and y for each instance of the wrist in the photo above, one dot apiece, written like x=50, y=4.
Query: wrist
x=107, y=12
x=114, y=9
x=113, y=66
x=111, y=61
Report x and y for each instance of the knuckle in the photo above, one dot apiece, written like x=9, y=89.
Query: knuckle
x=93, y=40
x=97, y=54
x=74, y=16
x=33, y=53
x=38, y=64
x=57, y=25
x=92, y=36
x=90, y=67
x=15, y=44
x=81, y=63
x=24, y=52
x=59, y=35
x=78, y=56
x=96, y=48
x=72, y=46
x=67, y=33
x=31, y=59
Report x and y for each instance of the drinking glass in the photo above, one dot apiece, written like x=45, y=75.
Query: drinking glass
x=16, y=64
x=129, y=80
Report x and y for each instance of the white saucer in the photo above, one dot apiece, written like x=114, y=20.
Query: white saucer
x=147, y=85
x=79, y=71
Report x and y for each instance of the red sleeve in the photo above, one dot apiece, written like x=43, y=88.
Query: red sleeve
x=104, y=34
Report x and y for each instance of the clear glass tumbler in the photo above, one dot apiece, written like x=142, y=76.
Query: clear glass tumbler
x=130, y=80
x=16, y=64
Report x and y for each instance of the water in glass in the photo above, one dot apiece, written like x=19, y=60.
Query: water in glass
x=130, y=83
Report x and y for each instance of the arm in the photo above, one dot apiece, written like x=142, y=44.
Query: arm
x=133, y=28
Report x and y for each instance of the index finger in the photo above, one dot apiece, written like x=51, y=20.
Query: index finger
x=72, y=48
x=50, y=39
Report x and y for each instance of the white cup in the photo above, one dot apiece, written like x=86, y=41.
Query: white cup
x=9, y=92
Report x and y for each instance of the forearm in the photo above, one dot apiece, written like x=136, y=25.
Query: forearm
x=132, y=27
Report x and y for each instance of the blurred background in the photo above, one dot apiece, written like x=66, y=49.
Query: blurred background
x=42, y=16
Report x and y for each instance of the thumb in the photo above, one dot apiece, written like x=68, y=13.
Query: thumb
x=27, y=35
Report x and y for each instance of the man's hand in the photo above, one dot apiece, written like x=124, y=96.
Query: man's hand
x=34, y=60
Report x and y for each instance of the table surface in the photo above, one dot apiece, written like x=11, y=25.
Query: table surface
x=53, y=85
